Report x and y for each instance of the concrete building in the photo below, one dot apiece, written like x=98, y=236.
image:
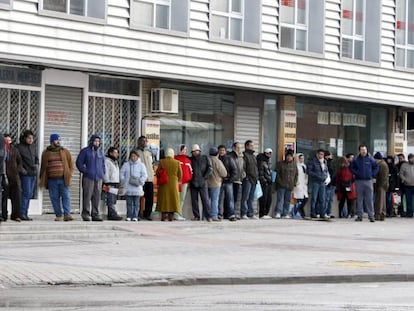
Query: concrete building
x=288, y=74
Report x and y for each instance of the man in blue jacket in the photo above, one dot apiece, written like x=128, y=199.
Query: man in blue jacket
x=365, y=168
x=91, y=163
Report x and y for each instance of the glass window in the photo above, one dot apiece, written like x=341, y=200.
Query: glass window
x=405, y=34
x=302, y=25
x=237, y=20
x=87, y=8
x=161, y=14
x=360, y=29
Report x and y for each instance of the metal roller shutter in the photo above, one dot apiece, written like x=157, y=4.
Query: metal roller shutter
x=63, y=115
x=247, y=125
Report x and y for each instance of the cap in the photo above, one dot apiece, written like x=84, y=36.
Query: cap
x=213, y=151
x=268, y=150
x=195, y=147
x=378, y=155
x=54, y=137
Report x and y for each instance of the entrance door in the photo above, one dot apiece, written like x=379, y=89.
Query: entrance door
x=63, y=116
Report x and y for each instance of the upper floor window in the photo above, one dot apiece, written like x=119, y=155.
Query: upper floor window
x=405, y=34
x=86, y=8
x=302, y=25
x=162, y=14
x=360, y=37
x=237, y=20
x=5, y=4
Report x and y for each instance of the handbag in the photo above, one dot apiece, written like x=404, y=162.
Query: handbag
x=133, y=181
x=162, y=176
x=258, y=192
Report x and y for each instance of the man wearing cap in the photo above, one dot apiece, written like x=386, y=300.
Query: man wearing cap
x=201, y=171
x=380, y=187
x=56, y=172
x=264, y=165
x=407, y=178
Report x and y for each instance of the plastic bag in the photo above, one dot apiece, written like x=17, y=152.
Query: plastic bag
x=258, y=192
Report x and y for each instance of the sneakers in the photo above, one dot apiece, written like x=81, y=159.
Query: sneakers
x=244, y=217
x=179, y=217
x=326, y=217
x=254, y=218
x=286, y=217
x=277, y=216
x=134, y=219
x=266, y=217
x=68, y=218
x=59, y=218
x=128, y=219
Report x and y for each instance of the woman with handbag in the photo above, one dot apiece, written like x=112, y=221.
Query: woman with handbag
x=132, y=177
x=168, y=201
x=345, y=188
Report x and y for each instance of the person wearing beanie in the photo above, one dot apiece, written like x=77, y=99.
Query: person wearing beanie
x=56, y=170
x=380, y=187
x=214, y=182
x=378, y=156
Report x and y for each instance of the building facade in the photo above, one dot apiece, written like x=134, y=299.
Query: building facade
x=288, y=74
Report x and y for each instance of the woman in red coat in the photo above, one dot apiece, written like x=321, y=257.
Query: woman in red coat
x=345, y=185
x=186, y=178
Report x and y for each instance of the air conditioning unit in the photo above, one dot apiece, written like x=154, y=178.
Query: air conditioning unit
x=164, y=100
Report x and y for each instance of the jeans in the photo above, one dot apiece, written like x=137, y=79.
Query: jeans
x=329, y=194
x=203, y=191
x=59, y=193
x=409, y=192
x=226, y=191
x=132, y=203
x=28, y=183
x=283, y=201
x=318, y=199
x=365, y=191
x=214, y=194
x=247, y=198
x=236, y=192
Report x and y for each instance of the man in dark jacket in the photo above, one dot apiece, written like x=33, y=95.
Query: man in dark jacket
x=28, y=176
x=287, y=177
x=249, y=182
x=2, y=172
x=365, y=169
x=226, y=190
x=319, y=174
x=330, y=188
x=380, y=187
x=264, y=165
x=202, y=169
x=91, y=163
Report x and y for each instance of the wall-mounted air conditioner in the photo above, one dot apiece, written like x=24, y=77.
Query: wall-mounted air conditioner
x=164, y=100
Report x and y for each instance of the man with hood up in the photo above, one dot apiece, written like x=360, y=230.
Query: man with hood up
x=91, y=163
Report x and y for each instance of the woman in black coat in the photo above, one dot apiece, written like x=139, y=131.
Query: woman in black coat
x=393, y=185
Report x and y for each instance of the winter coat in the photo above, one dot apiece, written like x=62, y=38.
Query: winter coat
x=393, y=178
x=287, y=175
x=186, y=168
x=201, y=170
x=240, y=173
x=2, y=155
x=168, y=199
x=250, y=166
x=345, y=178
x=407, y=174
x=136, y=169
x=381, y=180
x=67, y=162
x=146, y=158
x=331, y=170
x=90, y=162
x=301, y=188
x=29, y=157
x=219, y=172
x=111, y=176
x=364, y=168
x=264, y=166
x=14, y=165
x=316, y=171
x=231, y=168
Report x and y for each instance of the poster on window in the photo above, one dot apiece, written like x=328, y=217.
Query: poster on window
x=380, y=145
x=151, y=130
x=398, y=143
x=335, y=118
x=323, y=117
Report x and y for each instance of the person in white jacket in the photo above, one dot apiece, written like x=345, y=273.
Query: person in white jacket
x=133, y=176
x=300, y=192
x=111, y=180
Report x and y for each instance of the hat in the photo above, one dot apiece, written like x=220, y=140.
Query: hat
x=268, y=150
x=54, y=137
x=378, y=156
x=213, y=151
x=195, y=147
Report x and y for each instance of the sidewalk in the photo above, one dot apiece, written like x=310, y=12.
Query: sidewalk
x=192, y=253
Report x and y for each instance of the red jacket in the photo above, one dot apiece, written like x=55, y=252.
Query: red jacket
x=186, y=168
x=344, y=177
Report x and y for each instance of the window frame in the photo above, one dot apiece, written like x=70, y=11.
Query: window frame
x=6, y=6
x=406, y=47
x=155, y=29
x=68, y=15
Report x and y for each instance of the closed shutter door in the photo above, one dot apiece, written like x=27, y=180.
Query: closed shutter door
x=247, y=126
x=63, y=116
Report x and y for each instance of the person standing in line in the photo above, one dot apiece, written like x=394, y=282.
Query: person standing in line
x=319, y=175
x=111, y=180
x=214, y=182
x=407, y=179
x=286, y=179
x=28, y=176
x=3, y=177
x=187, y=171
x=249, y=182
x=91, y=163
x=380, y=187
x=300, y=192
x=345, y=185
x=237, y=155
x=133, y=176
x=330, y=188
x=201, y=171
x=403, y=206
x=264, y=165
x=226, y=191
x=56, y=171
x=13, y=189
x=393, y=182
x=365, y=169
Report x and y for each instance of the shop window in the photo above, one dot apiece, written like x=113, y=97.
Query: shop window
x=302, y=25
x=236, y=20
x=95, y=9
x=405, y=34
x=6, y=4
x=360, y=27
x=160, y=14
